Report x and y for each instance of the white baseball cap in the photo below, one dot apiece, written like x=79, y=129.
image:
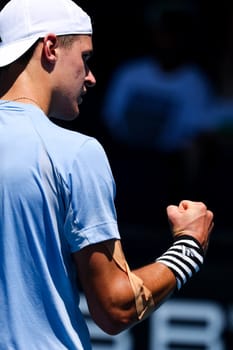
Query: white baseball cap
x=23, y=22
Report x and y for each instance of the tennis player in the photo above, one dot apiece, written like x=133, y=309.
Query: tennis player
x=57, y=215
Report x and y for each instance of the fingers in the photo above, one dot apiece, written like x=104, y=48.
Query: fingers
x=184, y=205
x=211, y=227
x=210, y=217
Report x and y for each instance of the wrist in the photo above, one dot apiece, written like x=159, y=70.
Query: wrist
x=184, y=258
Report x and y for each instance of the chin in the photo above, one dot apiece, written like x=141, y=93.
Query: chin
x=65, y=115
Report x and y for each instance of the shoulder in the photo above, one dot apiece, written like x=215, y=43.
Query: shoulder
x=65, y=146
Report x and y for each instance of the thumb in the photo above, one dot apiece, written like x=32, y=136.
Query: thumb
x=172, y=210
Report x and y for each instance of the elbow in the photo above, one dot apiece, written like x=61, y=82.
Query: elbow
x=114, y=320
x=114, y=325
x=111, y=329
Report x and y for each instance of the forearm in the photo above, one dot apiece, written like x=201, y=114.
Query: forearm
x=159, y=279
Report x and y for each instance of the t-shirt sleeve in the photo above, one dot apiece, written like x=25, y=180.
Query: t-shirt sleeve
x=91, y=215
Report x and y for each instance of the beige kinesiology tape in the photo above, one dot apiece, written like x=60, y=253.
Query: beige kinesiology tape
x=143, y=297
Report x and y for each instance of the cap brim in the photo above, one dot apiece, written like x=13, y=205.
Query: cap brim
x=11, y=52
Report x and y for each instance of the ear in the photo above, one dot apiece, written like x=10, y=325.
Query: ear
x=50, y=45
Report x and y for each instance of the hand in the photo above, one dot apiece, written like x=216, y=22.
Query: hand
x=191, y=218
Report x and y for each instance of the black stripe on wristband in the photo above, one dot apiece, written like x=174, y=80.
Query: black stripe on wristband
x=184, y=258
x=190, y=240
x=185, y=262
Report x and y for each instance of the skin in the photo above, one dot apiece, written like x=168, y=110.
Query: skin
x=108, y=291
x=56, y=78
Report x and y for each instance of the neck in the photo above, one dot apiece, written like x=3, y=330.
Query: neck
x=26, y=85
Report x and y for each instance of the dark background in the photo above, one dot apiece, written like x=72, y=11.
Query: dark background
x=117, y=37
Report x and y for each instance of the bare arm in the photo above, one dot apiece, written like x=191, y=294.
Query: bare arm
x=107, y=287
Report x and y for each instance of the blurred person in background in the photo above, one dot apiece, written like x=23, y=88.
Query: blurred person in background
x=155, y=107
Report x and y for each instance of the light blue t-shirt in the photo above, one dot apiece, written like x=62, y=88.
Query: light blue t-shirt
x=56, y=197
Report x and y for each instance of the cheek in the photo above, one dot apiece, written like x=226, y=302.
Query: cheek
x=76, y=74
x=80, y=72
x=79, y=80
x=73, y=74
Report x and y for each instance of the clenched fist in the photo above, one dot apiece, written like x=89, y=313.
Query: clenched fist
x=193, y=219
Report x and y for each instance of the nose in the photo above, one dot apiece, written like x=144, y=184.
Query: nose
x=90, y=80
